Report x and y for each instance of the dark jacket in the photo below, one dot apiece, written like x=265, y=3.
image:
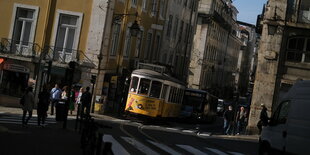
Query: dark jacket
x=229, y=115
x=43, y=103
x=86, y=98
x=264, y=117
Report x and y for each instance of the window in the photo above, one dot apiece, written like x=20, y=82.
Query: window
x=65, y=38
x=162, y=8
x=138, y=45
x=298, y=49
x=164, y=92
x=154, y=7
x=186, y=32
x=157, y=48
x=134, y=84
x=169, y=25
x=148, y=45
x=144, y=86
x=144, y=5
x=23, y=26
x=115, y=39
x=280, y=115
x=176, y=26
x=155, y=89
x=185, y=2
x=134, y=3
x=127, y=43
x=181, y=31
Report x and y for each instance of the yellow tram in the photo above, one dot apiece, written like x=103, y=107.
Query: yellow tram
x=154, y=94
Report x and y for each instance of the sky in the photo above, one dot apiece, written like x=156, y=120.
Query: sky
x=249, y=9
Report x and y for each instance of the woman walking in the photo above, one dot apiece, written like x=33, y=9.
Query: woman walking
x=27, y=105
x=43, y=106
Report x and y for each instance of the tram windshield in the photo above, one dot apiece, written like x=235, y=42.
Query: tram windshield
x=134, y=84
x=144, y=86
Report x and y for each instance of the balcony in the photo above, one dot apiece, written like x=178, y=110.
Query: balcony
x=20, y=49
x=28, y=51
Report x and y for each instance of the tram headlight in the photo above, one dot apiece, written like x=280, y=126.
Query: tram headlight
x=140, y=106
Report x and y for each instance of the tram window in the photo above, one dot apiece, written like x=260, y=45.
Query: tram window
x=164, y=92
x=134, y=84
x=155, y=89
x=174, y=95
x=144, y=86
x=178, y=96
x=171, y=94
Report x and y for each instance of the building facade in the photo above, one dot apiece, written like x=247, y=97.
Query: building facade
x=39, y=39
x=216, y=46
x=283, y=54
x=180, y=26
x=122, y=48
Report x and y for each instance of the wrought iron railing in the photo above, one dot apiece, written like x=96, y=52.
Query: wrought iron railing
x=20, y=48
x=49, y=53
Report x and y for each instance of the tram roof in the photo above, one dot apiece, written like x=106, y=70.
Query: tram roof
x=196, y=90
x=157, y=75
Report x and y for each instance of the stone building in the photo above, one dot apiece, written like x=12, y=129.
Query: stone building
x=178, y=35
x=283, y=54
x=247, y=59
x=216, y=47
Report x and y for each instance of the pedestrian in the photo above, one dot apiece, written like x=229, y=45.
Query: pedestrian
x=64, y=103
x=28, y=105
x=263, y=118
x=44, y=99
x=86, y=101
x=228, y=120
x=71, y=100
x=241, y=120
x=55, y=97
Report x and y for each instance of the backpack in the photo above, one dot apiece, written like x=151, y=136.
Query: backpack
x=22, y=100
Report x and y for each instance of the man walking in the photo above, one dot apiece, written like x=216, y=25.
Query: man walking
x=228, y=120
x=28, y=105
x=55, y=97
x=86, y=101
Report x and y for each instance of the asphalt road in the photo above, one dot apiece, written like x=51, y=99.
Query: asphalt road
x=135, y=138
x=127, y=137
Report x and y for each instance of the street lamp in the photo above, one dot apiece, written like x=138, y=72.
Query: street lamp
x=135, y=29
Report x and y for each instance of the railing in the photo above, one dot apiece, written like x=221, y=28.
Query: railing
x=29, y=49
x=20, y=48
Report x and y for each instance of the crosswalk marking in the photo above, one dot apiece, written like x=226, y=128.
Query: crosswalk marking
x=17, y=119
x=216, y=151
x=140, y=146
x=236, y=153
x=191, y=149
x=117, y=148
x=165, y=148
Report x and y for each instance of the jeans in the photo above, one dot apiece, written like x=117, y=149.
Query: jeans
x=53, y=104
x=24, y=116
x=227, y=127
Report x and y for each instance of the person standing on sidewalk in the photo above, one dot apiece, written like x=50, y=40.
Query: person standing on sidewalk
x=228, y=120
x=28, y=105
x=71, y=100
x=43, y=106
x=86, y=101
x=263, y=118
x=241, y=120
x=55, y=97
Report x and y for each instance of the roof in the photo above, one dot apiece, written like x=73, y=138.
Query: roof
x=157, y=75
